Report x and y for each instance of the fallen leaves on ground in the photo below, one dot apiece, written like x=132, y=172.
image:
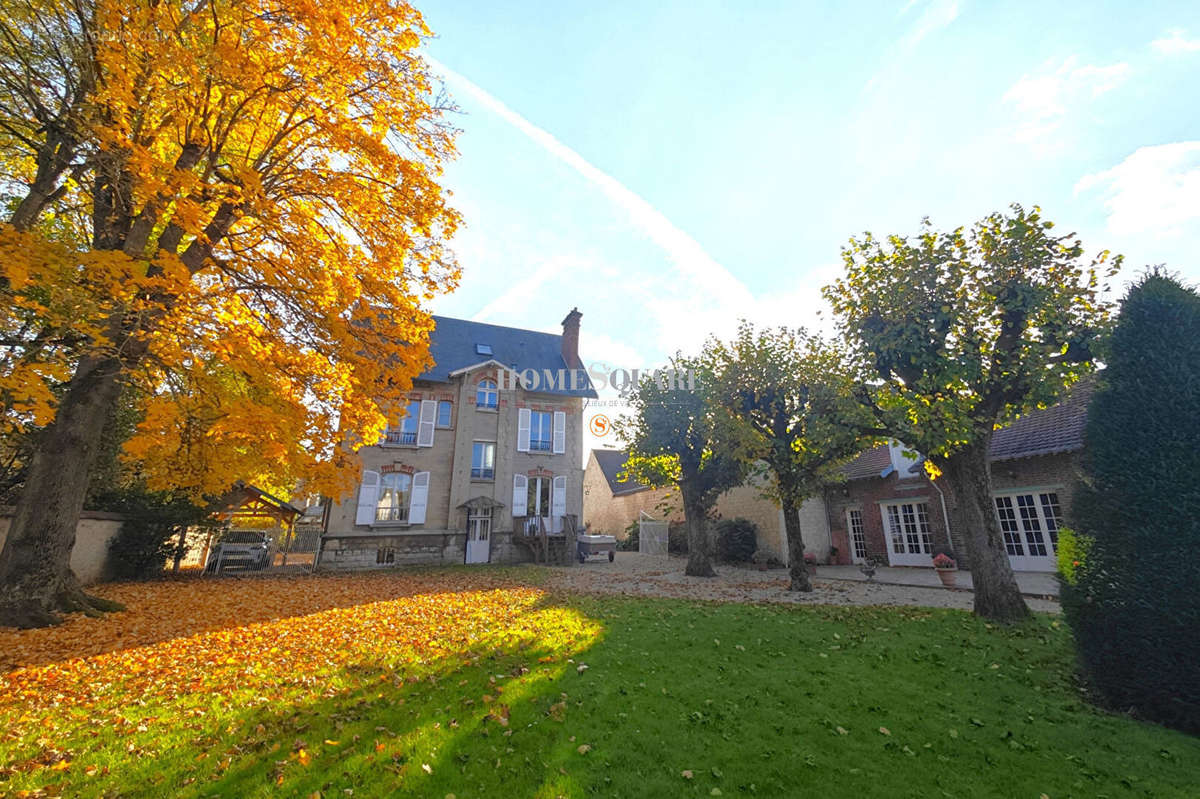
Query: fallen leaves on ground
x=188, y=647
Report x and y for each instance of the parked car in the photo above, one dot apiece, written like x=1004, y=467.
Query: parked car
x=241, y=549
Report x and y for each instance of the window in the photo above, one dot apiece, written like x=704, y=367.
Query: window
x=407, y=432
x=483, y=461
x=444, y=411
x=486, y=395
x=540, y=431
x=858, y=535
x=385, y=555
x=908, y=528
x=395, y=492
x=483, y=349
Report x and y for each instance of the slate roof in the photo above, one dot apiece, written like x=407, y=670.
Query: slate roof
x=452, y=346
x=612, y=463
x=1047, y=431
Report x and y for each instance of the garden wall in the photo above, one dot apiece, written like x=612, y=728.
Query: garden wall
x=89, y=557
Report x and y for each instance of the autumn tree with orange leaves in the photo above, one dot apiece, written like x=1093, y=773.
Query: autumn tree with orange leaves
x=228, y=209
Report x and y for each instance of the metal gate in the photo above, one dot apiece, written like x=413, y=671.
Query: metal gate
x=652, y=537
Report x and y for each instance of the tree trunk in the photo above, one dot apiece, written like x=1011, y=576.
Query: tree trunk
x=797, y=569
x=36, y=580
x=699, y=546
x=997, y=596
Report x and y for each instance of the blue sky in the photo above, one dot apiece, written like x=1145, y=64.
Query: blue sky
x=669, y=167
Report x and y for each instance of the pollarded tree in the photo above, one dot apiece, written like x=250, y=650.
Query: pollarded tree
x=231, y=204
x=962, y=332
x=676, y=437
x=793, y=396
x=1133, y=601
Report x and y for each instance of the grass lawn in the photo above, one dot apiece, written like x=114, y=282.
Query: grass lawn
x=479, y=684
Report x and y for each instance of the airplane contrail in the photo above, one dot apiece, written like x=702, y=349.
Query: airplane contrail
x=684, y=252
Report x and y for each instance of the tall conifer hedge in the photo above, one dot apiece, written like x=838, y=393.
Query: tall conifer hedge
x=1133, y=600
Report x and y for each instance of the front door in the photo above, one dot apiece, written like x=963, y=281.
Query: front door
x=479, y=534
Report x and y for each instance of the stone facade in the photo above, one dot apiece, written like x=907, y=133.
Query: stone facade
x=447, y=465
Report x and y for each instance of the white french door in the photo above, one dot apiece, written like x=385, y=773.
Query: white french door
x=906, y=529
x=541, y=501
x=858, y=535
x=1029, y=522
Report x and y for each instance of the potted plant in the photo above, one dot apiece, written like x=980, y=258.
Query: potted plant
x=810, y=562
x=946, y=567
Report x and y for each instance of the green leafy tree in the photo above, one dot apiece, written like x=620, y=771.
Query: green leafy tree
x=961, y=332
x=791, y=397
x=675, y=438
x=1132, y=597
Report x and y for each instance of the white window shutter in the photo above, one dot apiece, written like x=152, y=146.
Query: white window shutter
x=523, y=425
x=368, y=498
x=560, y=432
x=520, y=494
x=558, y=497
x=425, y=425
x=420, y=498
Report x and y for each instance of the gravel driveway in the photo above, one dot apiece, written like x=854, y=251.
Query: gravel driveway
x=634, y=574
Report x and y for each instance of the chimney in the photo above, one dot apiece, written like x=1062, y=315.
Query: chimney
x=570, y=339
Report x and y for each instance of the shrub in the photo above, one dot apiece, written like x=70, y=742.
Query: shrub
x=1071, y=552
x=632, y=540
x=737, y=539
x=1132, y=600
x=677, y=540
x=149, y=535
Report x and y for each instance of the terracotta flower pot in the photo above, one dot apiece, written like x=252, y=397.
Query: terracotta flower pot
x=947, y=576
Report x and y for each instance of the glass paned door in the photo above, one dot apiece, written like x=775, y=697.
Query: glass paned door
x=1029, y=523
x=909, y=538
x=858, y=535
x=538, y=506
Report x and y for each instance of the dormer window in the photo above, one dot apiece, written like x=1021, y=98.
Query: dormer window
x=483, y=349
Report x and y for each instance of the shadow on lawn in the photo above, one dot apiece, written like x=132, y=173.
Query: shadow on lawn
x=179, y=606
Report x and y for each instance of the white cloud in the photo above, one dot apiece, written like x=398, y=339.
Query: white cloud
x=1176, y=43
x=1044, y=98
x=1154, y=190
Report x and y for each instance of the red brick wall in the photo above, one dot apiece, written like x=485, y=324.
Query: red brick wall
x=866, y=495
x=1057, y=472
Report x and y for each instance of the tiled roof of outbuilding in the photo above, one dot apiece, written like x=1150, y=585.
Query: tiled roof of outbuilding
x=1047, y=431
x=1058, y=428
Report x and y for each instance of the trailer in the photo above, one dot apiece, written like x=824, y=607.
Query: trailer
x=589, y=545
